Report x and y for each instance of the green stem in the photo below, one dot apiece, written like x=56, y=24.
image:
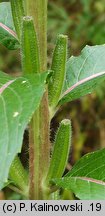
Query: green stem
x=39, y=127
x=38, y=10
x=31, y=64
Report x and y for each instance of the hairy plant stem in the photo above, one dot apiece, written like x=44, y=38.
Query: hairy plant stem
x=39, y=127
x=38, y=10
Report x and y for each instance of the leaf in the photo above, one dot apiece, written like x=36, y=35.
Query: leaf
x=83, y=188
x=82, y=88
x=20, y=178
x=84, y=73
x=87, y=177
x=91, y=165
x=8, y=36
x=19, y=98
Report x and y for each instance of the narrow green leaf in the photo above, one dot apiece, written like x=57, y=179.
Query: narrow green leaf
x=61, y=150
x=29, y=47
x=18, y=12
x=84, y=73
x=8, y=36
x=19, y=98
x=83, y=188
x=18, y=175
x=58, y=67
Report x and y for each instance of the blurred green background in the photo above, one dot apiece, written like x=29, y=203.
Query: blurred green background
x=84, y=23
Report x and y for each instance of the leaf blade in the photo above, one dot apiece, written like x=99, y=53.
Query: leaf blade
x=90, y=165
x=90, y=62
x=82, y=88
x=83, y=188
x=87, y=177
x=18, y=101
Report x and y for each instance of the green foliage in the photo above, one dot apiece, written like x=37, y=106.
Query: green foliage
x=91, y=61
x=21, y=97
x=83, y=188
x=91, y=165
x=86, y=179
x=84, y=73
x=7, y=30
x=16, y=111
x=18, y=175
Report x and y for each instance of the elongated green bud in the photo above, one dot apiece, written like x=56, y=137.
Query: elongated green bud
x=18, y=175
x=17, y=12
x=58, y=68
x=61, y=150
x=29, y=47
